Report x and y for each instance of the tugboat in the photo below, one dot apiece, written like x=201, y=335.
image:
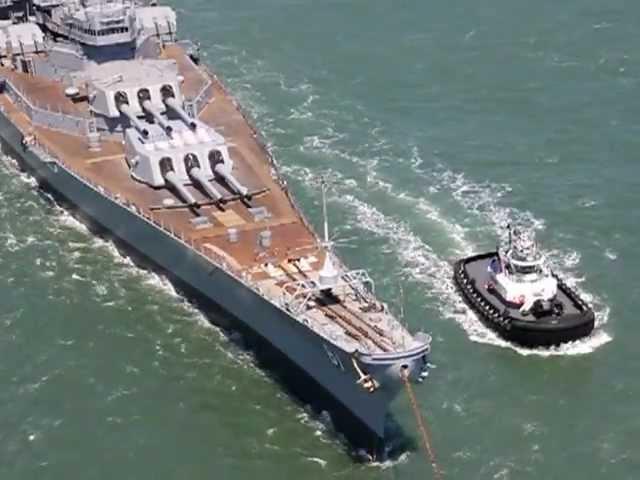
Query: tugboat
x=515, y=293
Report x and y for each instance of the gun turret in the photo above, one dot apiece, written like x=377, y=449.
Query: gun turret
x=198, y=176
x=192, y=165
x=173, y=104
x=170, y=176
x=125, y=110
x=148, y=107
x=225, y=172
x=172, y=180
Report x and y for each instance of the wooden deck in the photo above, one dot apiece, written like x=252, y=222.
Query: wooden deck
x=45, y=93
x=108, y=169
x=294, y=254
x=194, y=78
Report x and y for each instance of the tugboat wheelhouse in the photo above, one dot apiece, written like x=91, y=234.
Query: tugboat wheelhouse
x=515, y=292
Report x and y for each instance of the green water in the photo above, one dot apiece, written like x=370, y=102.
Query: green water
x=440, y=122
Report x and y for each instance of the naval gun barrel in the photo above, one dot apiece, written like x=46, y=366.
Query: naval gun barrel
x=198, y=176
x=233, y=182
x=173, y=104
x=149, y=108
x=173, y=180
x=125, y=109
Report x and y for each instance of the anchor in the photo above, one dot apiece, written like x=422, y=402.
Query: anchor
x=366, y=380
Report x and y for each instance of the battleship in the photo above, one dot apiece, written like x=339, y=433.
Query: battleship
x=119, y=119
x=515, y=292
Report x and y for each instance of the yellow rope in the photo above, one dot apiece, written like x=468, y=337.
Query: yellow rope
x=422, y=426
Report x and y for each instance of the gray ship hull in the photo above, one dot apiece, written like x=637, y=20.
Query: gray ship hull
x=310, y=359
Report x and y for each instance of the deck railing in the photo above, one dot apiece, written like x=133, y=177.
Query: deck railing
x=205, y=94
x=209, y=255
x=56, y=120
x=48, y=118
x=203, y=98
x=265, y=148
x=44, y=116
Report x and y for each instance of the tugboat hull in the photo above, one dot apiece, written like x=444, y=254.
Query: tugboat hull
x=543, y=329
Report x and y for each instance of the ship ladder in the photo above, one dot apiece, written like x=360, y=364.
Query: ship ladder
x=422, y=427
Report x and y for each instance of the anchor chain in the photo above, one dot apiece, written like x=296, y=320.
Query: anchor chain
x=422, y=427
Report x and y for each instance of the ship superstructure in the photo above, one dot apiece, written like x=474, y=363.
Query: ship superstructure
x=110, y=111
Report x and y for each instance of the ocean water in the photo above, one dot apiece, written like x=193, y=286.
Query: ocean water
x=439, y=122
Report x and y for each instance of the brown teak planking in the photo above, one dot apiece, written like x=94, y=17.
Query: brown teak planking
x=108, y=169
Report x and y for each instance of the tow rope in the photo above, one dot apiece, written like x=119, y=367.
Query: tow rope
x=422, y=427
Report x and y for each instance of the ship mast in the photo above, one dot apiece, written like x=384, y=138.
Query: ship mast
x=328, y=275
x=324, y=211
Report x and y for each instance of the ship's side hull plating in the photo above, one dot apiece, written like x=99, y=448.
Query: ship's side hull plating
x=358, y=414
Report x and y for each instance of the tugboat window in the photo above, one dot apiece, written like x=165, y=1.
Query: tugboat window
x=529, y=269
